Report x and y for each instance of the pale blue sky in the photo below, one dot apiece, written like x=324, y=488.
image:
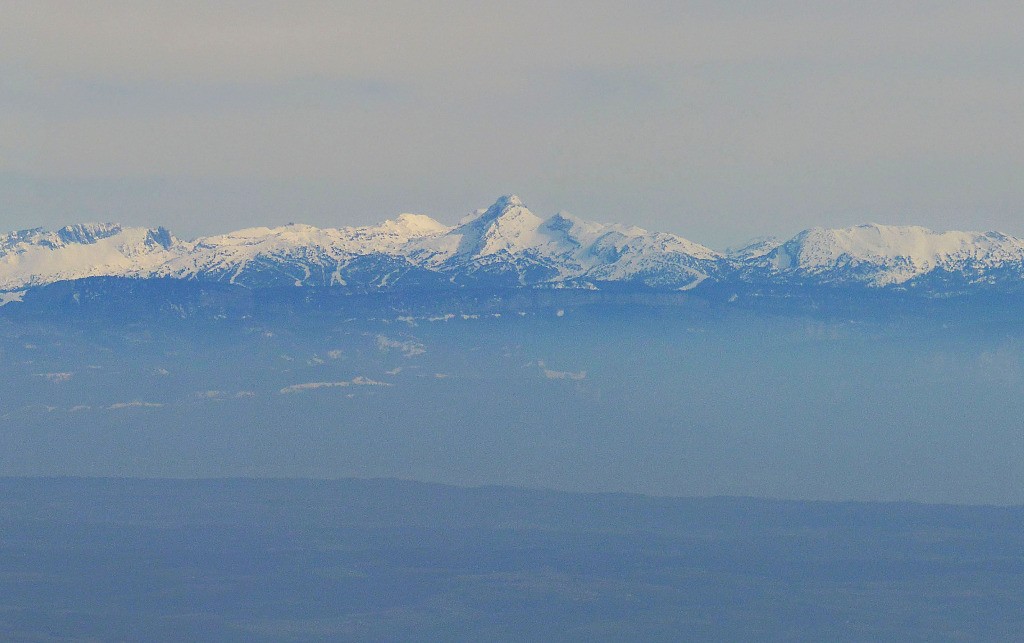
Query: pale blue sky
x=717, y=121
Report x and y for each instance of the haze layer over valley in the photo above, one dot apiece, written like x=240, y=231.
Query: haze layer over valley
x=829, y=394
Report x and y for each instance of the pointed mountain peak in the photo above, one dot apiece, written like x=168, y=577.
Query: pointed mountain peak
x=504, y=211
x=505, y=226
x=508, y=201
x=507, y=204
x=498, y=208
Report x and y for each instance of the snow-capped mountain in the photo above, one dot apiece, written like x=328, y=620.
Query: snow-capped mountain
x=880, y=255
x=303, y=255
x=36, y=257
x=507, y=245
x=510, y=243
x=757, y=247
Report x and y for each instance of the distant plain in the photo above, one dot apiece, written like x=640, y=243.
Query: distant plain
x=294, y=560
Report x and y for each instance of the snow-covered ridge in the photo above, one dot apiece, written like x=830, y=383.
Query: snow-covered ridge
x=881, y=255
x=503, y=245
x=36, y=257
x=756, y=247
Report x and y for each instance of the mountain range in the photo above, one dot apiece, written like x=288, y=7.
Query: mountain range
x=507, y=245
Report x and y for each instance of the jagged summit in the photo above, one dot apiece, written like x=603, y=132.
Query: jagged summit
x=507, y=245
x=36, y=257
x=88, y=232
x=81, y=233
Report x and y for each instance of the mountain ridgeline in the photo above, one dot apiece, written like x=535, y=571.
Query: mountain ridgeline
x=508, y=246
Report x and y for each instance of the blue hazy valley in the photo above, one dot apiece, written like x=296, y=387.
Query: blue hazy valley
x=207, y=461
x=836, y=395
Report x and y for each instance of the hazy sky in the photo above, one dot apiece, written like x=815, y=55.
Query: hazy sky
x=715, y=120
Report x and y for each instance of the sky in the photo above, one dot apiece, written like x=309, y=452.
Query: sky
x=717, y=121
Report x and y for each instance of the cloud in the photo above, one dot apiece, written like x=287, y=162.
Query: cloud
x=310, y=386
x=359, y=380
x=136, y=404
x=408, y=348
x=365, y=381
x=218, y=396
x=34, y=407
x=560, y=375
x=564, y=375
